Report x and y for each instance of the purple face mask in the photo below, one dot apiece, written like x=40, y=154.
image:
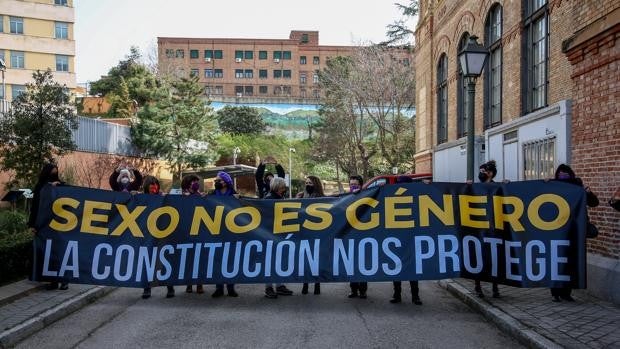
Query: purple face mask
x=195, y=186
x=354, y=187
x=563, y=176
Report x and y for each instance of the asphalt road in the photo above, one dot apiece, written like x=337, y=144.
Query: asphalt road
x=329, y=320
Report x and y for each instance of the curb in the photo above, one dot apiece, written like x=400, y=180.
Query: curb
x=13, y=335
x=22, y=294
x=504, y=321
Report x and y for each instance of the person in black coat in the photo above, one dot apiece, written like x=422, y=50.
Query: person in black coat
x=263, y=179
x=48, y=175
x=126, y=179
x=566, y=174
x=313, y=189
x=358, y=289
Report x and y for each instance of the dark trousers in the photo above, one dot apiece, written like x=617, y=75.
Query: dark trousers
x=415, y=290
x=359, y=287
x=495, y=288
x=229, y=287
x=561, y=292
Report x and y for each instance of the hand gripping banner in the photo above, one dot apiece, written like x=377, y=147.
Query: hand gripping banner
x=525, y=234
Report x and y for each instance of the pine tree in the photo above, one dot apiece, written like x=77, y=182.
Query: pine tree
x=120, y=103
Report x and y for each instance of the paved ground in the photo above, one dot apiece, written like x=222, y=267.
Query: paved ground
x=587, y=323
x=330, y=320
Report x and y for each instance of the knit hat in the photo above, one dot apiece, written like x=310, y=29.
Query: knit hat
x=226, y=178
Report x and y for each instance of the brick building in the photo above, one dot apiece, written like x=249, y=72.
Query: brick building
x=268, y=70
x=531, y=101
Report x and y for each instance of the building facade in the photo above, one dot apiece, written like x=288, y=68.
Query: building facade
x=36, y=35
x=530, y=105
x=266, y=70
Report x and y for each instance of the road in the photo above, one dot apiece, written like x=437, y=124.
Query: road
x=331, y=320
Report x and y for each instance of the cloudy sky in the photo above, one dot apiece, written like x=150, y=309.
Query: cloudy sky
x=105, y=30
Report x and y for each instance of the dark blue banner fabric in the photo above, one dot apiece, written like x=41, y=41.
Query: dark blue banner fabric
x=526, y=234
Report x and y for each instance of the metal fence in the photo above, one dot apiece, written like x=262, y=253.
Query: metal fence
x=98, y=136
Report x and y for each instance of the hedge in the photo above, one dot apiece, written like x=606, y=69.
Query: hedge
x=15, y=247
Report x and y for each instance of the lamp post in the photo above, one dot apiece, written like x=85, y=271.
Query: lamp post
x=472, y=59
x=236, y=152
x=290, y=171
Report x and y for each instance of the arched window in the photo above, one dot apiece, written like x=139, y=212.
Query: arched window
x=442, y=99
x=493, y=71
x=461, y=94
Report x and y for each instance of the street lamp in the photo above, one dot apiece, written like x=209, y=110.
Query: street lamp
x=290, y=171
x=472, y=59
x=236, y=152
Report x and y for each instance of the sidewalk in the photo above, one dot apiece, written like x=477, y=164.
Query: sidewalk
x=529, y=315
x=26, y=307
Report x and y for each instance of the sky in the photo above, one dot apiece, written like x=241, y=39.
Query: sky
x=106, y=29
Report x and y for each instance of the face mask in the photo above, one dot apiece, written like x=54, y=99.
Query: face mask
x=219, y=185
x=267, y=182
x=54, y=177
x=124, y=180
x=563, y=176
x=483, y=177
x=309, y=189
x=354, y=188
x=195, y=186
x=154, y=189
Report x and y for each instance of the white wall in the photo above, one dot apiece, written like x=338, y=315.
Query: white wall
x=450, y=160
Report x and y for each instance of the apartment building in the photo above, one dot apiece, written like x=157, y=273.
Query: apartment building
x=36, y=35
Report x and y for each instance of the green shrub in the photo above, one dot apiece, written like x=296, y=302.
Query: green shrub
x=12, y=222
x=15, y=246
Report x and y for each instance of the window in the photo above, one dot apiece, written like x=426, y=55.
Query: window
x=208, y=73
x=315, y=60
x=238, y=54
x=239, y=90
x=286, y=90
x=249, y=90
x=286, y=55
x=302, y=59
x=536, y=49
x=62, y=63
x=217, y=54
x=193, y=54
x=2, y=55
x=194, y=72
x=209, y=54
x=277, y=90
x=302, y=78
x=461, y=94
x=61, y=30
x=17, y=25
x=17, y=59
x=277, y=54
x=1, y=24
x=249, y=73
x=262, y=90
x=277, y=74
x=218, y=73
x=304, y=38
x=262, y=54
x=442, y=99
x=169, y=53
x=315, y=78
x=493, y=71
x=539, y=159
x=248, y=54
x=60, y=2
x=316, y=93
x=262, y=74
x=219, y=90
x=17, y=90
x=238, y=73
x=286, y=74
x=302, y=93
x=180, y=53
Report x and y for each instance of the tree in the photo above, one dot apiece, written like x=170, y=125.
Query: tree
x=121, y=105
x=140, y=80
x=178, y=127
x=398, y=31
x=240, y=120
x=37, y=129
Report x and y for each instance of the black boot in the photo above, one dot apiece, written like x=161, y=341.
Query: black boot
x=146, y=293
x=415, y=293
x=304, y=289
x=317, y=288
x=397, y=290
x=478, y=289
x=231, y=290
x=219, y=291
x=170, y=292
x=495, y=290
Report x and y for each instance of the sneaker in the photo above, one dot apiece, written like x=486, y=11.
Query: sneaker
x=283, y=291
x=51, y=286
x=363, y=295
x=317, y=288
x=479, y=293
x=65, y=286
x=146, y=294
x=353, y=295
x=568, y=298
x=170, y=292
x=304, y=289
x=188, y=289
x=556, y=299
x=416, y=301
x=496, y=294
x=270, y=293
x=232, y=293
x=396, y=300
x=218, y=293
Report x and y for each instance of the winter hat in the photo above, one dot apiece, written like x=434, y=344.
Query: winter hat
x=226, y=178
x=124, y=173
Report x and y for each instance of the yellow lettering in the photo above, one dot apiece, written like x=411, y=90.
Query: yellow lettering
x=89, y=216
x=391, y=212
x=213, y=223
x=128, y=221
x=445, y=215
x=58, y=207
x=279, y=216
x=510, y=218
x=316, y=210
x=151, y=222
x=558, y=222
x=351, y=214
x=238, y=229
x=467, y=211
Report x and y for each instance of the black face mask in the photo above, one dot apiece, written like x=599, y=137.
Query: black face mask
x=53, y=177
x=219, y=185
x=483, y=177
x=309, y=189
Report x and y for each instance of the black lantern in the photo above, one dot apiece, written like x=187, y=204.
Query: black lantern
x=473, y=57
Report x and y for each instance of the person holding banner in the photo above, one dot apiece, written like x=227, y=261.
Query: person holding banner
x=126, y=179
x=48, y=175
x=313, y=189
x=151, y=186
x=223, y=187
x=566, y=174
x=277, y=190
x=263, y=179
x=358, y=289
x=190, y=185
